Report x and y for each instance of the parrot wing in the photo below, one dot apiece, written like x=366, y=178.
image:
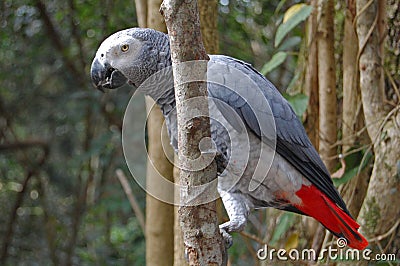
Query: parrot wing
x=292, y=142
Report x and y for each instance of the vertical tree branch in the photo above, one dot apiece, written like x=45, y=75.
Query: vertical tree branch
x=371, y=75
x=381, y=207
x=141, y=12
x=327, y=83
x=18, y=202
x=132, y=200
x=159, y=215
x=82, y=190
x=208, y=10
x=350, y=78
x=311, y=122
x=76, y=34
x=311, y=80
x=179, y=248
x=59, y=45
x=154, y=19
x=203, y=242
x=354, y=191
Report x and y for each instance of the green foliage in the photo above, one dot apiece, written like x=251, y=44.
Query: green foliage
x=355, y=163
x=285, y=222
x=46, y=94
x=276, y=60
x=299, y=102
x=295, y=15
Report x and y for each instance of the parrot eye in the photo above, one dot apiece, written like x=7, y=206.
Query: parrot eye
x=124, y=48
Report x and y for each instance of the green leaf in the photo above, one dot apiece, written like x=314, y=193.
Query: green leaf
x=276, y=60
x=348, y=175
x=290, y=43
x=279, y=6
x=299, y=102
x=294, y=16
x=285, y=221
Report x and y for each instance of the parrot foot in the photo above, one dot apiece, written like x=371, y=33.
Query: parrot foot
x=238, y=208
x=227, y=237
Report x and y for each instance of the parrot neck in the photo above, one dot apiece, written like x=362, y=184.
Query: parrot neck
x=159, y=83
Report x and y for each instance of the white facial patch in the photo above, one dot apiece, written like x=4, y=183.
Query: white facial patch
x=119, y=50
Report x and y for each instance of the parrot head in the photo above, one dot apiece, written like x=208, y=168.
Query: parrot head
x=127, y=56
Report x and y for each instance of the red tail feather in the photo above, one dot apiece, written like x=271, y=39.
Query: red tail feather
x=320, y=207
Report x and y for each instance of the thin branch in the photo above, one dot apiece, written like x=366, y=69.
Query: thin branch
x=18, y=202
x=49, y=224
x=75, y=33
x=253, y=237
x=369, y=34
x=132, y=200
x=360, y=13
x=392, y=112
x=393, y=83
x=345, y=154
x=81, y=194
x=385, y=235
x=58, y=43
x=21, y=145
x=250, y=248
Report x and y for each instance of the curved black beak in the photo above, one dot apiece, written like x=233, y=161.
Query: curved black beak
x=105, y=77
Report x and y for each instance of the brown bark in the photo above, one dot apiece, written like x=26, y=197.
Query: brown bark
x=208, y=10
x=381, y=207
x=179, y=248
x=159, y=215
x=327, y=83
x=350, y=83
x=203, y=242
x=141, y=12
x=154, y=18
x=311, y=79
x=371, y=78
x=354, y=191
x=311, y=123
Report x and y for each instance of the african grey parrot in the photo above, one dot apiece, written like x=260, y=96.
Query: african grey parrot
x=293, y=179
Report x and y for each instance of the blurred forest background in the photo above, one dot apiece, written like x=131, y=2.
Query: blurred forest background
x=61, y=159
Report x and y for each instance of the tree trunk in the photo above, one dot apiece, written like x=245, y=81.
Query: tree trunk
x=311, y=79
x=154, y=18
x=203, y=242
x=350, y=76
x=159, y=215
x=141, y=12
x=353, y=192
x=381, y=208
x=327, y=83
x=179, y=247
x=313, y=228
x=208, y=11
x=327, y=94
